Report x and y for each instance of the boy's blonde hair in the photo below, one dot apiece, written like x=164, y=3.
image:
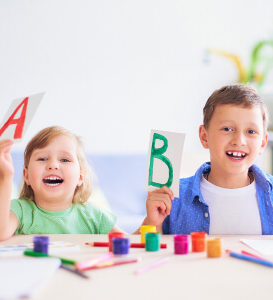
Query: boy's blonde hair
x=237, y=94
x=41, y=140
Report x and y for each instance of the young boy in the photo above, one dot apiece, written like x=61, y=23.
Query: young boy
x=229, y=194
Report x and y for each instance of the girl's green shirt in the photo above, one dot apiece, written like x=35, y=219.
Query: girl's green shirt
x=78, y=218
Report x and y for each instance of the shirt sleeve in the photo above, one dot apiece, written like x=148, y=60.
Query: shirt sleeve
x=107, y=221
x=16, y=208
x=166, y=225
x=102, y=219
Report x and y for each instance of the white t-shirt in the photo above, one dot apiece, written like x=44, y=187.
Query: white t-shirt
x=232, y=211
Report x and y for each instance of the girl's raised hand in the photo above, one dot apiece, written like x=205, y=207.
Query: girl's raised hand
x=158, y=205
x=6, y=165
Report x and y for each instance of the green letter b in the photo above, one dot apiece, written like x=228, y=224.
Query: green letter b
x=157, y=153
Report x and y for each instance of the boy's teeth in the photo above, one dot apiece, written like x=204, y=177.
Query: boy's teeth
x=236, y=154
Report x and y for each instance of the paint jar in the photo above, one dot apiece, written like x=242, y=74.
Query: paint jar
x=152, y=241
x=214, y=248
x=181, y=244
x=121, y=246
x=41, y=244
x=112, y=235
x=198, y=241
x=144, y=229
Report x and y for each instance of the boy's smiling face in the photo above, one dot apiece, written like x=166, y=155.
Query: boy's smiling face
x=235, y=137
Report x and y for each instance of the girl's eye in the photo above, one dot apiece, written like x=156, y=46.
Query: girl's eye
x=228, y=129
x=65, y=160
x=41, y=159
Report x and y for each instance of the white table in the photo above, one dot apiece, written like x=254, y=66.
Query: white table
x=192, y=276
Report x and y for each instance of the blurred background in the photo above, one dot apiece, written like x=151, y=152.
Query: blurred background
x=113, y=70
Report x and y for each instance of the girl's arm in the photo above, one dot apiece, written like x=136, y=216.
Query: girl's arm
x=117, y=229
x=8, y=220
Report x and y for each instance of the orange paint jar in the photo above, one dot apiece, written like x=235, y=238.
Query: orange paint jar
x=198, y=241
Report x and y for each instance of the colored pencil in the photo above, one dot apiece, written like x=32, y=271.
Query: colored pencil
x=251, y=259
x=88, y=264
x=152, y=266
x=30, y=252
x=113, y=263
x=75, y=271
x=252, y=255
x=132, y=245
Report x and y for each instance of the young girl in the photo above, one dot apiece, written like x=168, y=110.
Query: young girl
x=56, y=188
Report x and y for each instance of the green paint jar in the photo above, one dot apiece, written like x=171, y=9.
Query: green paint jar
x=152, y=241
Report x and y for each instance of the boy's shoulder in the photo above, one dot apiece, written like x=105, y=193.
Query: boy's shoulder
x=189, y=187
x=195, y=179
x=261, y=177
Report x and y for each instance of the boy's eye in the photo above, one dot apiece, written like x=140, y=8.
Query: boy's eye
x=227, y=129
x=251, y=131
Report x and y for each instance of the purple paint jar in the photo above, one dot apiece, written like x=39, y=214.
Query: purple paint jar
x=41, y=244
x=181, y=244
x=121, y=246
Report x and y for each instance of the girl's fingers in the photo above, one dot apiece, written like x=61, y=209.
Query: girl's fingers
x=5, y=145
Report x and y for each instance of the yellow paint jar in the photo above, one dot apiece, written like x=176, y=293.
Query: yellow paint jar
x=144, y=229
x=214, y=247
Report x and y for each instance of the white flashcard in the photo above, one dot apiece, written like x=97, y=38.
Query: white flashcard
x=164, y=160
x=19, y=116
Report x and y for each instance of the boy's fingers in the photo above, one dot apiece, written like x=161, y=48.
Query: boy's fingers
x=164, y=190
x=168, y=207
x=159, y=205
x=158, y=196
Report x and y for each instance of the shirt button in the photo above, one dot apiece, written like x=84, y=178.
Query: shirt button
x=206, y=214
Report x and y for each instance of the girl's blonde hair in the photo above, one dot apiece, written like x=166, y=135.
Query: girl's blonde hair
x=41, y=140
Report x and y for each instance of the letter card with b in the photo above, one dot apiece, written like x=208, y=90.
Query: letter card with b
x=164, y=160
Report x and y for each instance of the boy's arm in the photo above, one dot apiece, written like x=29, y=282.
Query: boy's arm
x=158, y=206
x=145, y=222
x=8, y=220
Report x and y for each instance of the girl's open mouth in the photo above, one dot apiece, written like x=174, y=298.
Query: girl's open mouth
x=53, y=180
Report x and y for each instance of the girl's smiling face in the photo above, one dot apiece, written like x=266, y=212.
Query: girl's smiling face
x=54, y=173
x=235, y=137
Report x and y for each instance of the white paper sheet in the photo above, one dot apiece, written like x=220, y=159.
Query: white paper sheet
x=264, y=247
x=22, y=277
x=166, y=163
x=54, y=248
x=19, y=116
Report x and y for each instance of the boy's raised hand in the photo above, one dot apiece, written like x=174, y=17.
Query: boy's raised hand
x=6, y=165
x=158, y=205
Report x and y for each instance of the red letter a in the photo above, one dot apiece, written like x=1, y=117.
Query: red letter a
x=19, y=122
